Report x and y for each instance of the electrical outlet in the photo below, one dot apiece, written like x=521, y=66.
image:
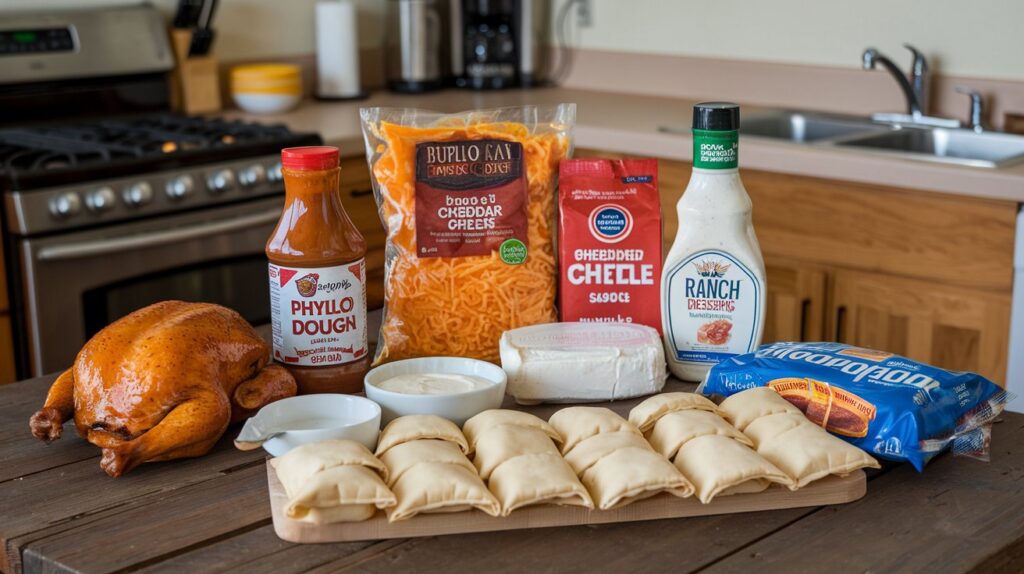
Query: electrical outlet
x=584, y=13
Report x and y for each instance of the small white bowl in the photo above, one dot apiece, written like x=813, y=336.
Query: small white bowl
x=255, y=103
x=313, y=418
x=457, y=407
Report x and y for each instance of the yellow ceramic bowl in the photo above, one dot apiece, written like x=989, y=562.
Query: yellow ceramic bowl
x=266, y=88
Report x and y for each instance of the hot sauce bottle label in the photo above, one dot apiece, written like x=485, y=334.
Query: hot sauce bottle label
x=318, y=315
x=471, y=199
x=711, y=306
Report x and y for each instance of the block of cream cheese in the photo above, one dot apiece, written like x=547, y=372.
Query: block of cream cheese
x=575, y=362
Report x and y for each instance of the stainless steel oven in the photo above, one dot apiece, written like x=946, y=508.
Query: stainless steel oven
x=77, y=283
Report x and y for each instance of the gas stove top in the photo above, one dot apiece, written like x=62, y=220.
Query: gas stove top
x=45, y=156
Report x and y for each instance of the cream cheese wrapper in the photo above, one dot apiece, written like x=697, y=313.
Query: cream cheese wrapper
x=675, y=429
x=332, y=481
x=416, y=427
x=580, y=362
x=804, y=450
x=645, y=414
x=493, y=417
x=745, y=407
x=629, y=474
x=501, y=443
x=537, y=479
x=401, y=458
x=717, y=465
x=576, y=424
x=430, y=487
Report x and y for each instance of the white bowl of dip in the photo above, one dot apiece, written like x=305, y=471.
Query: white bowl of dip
x=455, y=388
x=314, y=418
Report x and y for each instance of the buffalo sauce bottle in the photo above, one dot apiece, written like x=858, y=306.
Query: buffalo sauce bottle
x=318, y=278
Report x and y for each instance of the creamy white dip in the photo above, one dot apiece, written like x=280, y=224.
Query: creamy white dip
x=432, y=384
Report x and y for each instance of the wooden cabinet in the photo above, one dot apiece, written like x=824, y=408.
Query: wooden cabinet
x=357, y=195
x=923, y=274
x=7, y=373
x=947, y=326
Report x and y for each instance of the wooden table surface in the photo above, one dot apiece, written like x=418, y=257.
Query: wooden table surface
x=59, y=512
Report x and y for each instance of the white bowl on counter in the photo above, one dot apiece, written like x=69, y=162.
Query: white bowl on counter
x=456, y=407
x=313, y=418
x=255, y=103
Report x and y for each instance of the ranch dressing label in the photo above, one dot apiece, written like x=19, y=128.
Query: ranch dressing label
x=712, y=307
x=318, y=315
x=471, y=199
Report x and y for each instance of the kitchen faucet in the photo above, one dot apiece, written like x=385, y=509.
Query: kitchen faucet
x=915, y=88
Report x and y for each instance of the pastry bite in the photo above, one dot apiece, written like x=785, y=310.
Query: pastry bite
x=416, y=427
x=612, y=459
x=517, y=455
x=803, y=450
x=743, y=408
x=493, y=417
x=675, y=429
x=720, y=465
x=575, y=424
x=428, y=469
x=333, y=481
x=645, y=414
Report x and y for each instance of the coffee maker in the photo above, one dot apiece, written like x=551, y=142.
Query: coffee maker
x=497, y=43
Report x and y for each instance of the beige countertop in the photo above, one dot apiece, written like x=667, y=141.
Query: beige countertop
x=630, y=124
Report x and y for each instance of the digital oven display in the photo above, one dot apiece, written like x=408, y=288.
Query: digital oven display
x=43, y=40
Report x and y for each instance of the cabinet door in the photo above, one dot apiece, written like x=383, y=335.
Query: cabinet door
x=950, y=327
x=7, y=374
x=357, y=196
x=795, y=303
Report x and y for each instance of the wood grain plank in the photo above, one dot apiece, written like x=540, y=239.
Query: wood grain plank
x=959, y=515
x=61, y=498
x=130, y=536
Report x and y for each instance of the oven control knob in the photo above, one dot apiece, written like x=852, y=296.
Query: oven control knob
x=138, y=194
x=65, y=205
x=274, y=174
x=220, y=181
x=252, y=175
x=100, y=200
x=180, y=187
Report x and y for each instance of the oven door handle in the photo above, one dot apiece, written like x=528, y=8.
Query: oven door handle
x=118, y=244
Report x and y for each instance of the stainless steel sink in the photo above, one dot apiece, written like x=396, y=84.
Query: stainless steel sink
x=960, y=146
x=800, y=127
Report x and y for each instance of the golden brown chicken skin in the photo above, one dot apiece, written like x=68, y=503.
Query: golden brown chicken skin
x=163, y=382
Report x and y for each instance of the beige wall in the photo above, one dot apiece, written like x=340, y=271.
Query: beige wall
x=974, y=38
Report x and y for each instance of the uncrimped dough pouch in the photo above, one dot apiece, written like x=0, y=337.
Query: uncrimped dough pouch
x=645, y=414
x=493, y=417
x=803, y=450
x=576, y=424
x=719, y=465
x=743, y=408
x=675, y=429
x=402, y=457
x=630, y=474
x=497, y=445
x=430, y=487
x=416, y=427
x=593, y=449
x=537, y=478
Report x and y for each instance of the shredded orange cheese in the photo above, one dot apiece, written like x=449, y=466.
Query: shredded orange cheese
x=461, y=305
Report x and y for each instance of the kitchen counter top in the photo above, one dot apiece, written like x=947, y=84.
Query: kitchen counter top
x=60, y=513
x=630, y=124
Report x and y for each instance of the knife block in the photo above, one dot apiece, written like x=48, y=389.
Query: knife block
x=195, y=83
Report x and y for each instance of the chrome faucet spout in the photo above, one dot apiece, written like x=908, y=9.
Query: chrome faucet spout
x=872, y=57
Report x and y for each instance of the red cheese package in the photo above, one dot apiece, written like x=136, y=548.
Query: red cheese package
x=609, y=241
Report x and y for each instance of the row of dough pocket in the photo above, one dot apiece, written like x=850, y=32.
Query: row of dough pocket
x=333, y=481
x=516, y=454
x=428, y=470
x=782, y=434
x=712, y=454
x=612, y=459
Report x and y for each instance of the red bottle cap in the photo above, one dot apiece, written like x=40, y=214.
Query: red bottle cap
x=309, y=158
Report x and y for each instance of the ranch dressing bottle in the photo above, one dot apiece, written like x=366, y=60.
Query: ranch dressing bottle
x=713, y=286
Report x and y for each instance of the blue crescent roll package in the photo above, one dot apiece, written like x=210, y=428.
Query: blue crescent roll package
x=888, y=405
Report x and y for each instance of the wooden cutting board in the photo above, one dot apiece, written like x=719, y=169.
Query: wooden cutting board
x=830, y=490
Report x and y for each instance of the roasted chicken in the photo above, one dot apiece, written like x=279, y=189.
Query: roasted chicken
x=163, y=382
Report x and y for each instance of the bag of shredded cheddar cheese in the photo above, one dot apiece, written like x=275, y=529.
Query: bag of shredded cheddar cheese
x=468, y=204
x=890, y=406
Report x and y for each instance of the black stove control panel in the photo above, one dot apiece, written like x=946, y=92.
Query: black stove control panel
x=36, y=41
